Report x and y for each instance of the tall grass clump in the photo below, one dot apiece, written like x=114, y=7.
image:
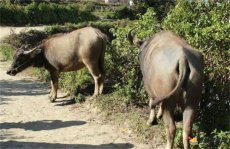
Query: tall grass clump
x=6, y=52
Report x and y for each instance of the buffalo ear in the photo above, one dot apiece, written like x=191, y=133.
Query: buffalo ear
x=136, y=41
x=133, y=39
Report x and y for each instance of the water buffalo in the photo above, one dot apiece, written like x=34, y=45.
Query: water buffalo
x=172, y=73
x=66, y=52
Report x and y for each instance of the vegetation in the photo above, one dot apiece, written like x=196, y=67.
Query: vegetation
x=6, y=52
x=60, y=13
x=43, y=13
x=204, y=25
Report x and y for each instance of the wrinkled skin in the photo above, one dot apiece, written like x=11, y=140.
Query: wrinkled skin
x=66, y=52
x=172, y=73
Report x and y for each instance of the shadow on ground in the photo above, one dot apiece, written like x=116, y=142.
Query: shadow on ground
x=10, y=136
x=40, y=145
x=41, y=125
x=3, y=100
x=22, y=88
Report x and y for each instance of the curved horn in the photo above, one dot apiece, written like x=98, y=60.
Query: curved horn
x=27, y=52
x=129, y=36
x=133, y=39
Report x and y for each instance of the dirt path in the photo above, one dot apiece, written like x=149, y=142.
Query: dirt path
x=29, y=120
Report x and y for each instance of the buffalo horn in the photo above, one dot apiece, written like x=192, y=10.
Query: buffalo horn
x=129, y=36
x=27, y=52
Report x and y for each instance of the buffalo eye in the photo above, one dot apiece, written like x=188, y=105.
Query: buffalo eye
x=21, y=59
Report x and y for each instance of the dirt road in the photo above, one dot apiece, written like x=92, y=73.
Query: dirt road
x=28, y=120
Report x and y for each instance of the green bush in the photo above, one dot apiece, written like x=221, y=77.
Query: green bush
x=43, y=13
x=125, y=57
x=61, y=13
x=12, y=14
x=161, y=7
x=214, y=140
x=123, y=12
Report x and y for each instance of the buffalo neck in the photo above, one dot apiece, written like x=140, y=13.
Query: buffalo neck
x=39, y=60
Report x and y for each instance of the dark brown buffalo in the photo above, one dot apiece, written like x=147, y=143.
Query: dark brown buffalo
x=172, y=73
x=66, y=52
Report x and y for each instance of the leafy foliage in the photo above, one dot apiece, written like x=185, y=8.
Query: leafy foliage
x=123, y=12
x=60, y=13
x=125, y=57
x=161, y=7
x=43, y=13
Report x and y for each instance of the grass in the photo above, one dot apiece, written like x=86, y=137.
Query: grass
x=132, y=119
x=6, y=52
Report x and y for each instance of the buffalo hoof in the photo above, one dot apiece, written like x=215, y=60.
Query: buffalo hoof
x=93, y=97
x=159, y=116
x=151, y=122
x=52, y=99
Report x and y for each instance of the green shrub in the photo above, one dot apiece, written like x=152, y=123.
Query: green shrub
x=12, y=14
x=125, y=57
x=123, y=12
x=43, y=13
x=161, y=7
x=70, y=81
x=215, y=140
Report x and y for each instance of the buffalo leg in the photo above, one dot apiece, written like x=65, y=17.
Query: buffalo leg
x=170, y=125
x=54, y=86
x=51, y=90
x=152, y=116
x=160, y=112
x=97, y=76
x=189, y=108
x=101, y=84
x=188, y=115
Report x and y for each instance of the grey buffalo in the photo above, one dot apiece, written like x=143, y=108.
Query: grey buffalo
x=66, y=52
x=172, y=73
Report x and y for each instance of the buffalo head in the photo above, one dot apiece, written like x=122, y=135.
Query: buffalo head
x=133, y=39
x=22, y=59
